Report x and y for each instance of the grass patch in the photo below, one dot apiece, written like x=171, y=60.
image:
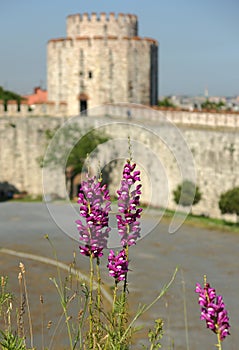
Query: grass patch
x=28, y=198
x=205, y=222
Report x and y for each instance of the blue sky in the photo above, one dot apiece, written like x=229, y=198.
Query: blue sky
x=199, y=40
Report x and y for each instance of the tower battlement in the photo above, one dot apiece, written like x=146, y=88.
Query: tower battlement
x=103, y=24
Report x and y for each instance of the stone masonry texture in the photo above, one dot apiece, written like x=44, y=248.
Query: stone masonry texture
x=102, y=60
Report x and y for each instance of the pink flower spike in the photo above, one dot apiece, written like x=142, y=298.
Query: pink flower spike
x=94, y=203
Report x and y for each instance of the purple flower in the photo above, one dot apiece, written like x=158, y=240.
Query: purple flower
x=213, y=310
x=118, y=265
x=87, y=251
x=94, y=203
x=128, y=201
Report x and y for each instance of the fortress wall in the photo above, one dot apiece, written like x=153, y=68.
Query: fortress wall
x=204, y=119
x=39, y=109
x=215, y=152
x=103, y=25
x=22, y=142
x=216, y=156
x=139, y=112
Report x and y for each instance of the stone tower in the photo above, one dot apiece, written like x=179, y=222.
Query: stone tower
x=102, y=60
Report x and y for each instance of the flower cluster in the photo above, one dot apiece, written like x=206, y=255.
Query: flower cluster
x=118, y=265
x=128, y=200
x=213, y=310
x=94, y=230
x=94, y=203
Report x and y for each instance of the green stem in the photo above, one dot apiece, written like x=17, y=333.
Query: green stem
x=219, y=343
x=68, y=326
x=114, y=315
x=123, y=315
x=61, y=291
x=185, y=311
x=91, y=301
x=115, y=295
x=98, y=288
x=64, y=307
x=126, y=275
x=98, y=305
x=57, y=261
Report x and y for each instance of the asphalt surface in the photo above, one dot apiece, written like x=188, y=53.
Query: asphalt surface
x=152, y=262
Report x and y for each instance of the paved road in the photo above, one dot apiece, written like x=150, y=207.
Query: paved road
x=153, y=260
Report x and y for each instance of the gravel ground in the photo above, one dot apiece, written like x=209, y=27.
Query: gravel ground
x=153, y=260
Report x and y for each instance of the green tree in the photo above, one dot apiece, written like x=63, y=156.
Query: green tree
x=213, y=105
x=6, y=95
x=71, y=144
x=87, y=144
x=68, y=150
x=187, y=194
x=229, y=202
x=166, y=102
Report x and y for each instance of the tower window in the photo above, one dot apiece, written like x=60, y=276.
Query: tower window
x=90, y=75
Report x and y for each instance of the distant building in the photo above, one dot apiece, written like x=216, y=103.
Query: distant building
x=39, y=96
x=102, y=60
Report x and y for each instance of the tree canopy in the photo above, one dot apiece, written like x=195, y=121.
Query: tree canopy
x=187, y=194
x=229, y=201
x=166, y=102
x=213, y=105
x=6, y=95
x=85, y=146
x=73, y=145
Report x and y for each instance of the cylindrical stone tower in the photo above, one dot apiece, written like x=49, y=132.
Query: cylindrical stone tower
x=102, y=60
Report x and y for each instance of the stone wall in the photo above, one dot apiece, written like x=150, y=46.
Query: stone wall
x=103, y=24
x=22, y=144
x=195, y=118
x=40, y=109
x=161, y=148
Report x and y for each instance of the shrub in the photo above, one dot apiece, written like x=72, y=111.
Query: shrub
x=229, y=202
x=187, y=194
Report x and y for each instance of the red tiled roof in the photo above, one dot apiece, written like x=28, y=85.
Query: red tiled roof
x=39, y=96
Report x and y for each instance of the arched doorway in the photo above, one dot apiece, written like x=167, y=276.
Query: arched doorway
x=83, y=98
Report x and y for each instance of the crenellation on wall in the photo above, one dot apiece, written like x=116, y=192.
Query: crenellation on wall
x=111, y=24
x=94, y=17
x=103, y=17
x=187, y=118
x=2, y=111
x=39, y=109
x=12, y=107
x=85, y=18
x=112, y=17
x=23, y=109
